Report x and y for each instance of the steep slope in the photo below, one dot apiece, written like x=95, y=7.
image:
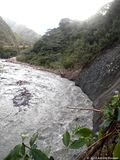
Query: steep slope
x=6, y=35
x=8, y=44
x=103, y=72
x=101, y=78
x=23, y=34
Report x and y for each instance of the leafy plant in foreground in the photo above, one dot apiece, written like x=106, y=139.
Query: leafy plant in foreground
x=79, y=138
x=108, y=128
x=25, y=152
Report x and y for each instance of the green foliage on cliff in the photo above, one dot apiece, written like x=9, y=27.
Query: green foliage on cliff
x=76, y=43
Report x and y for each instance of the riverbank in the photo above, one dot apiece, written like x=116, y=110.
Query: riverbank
x=71, y=74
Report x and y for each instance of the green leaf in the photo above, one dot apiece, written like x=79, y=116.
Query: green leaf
x=108, y=111
x=34, y=146
x=118, y=114
x=99, y=134
x=116, y=152
x=38, y=155
x=77, y=144
x=85, y=132
x=105, y=123
x=118, y=139
x=26, y=157
x=33, y=138
x=51, y=158
x=115, y=99
x=66, y=138
x=15, y=154
x=23, y=149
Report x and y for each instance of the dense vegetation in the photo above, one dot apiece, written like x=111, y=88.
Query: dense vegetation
x=7, y=52
x=13, y=41
x=8, y=44
x=76, y=43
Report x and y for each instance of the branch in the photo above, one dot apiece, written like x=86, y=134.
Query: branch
x=94, y=147
x=87, y=109
x=26, y=146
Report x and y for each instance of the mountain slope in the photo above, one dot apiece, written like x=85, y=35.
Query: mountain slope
x=99, y=79
x=6, y=35
x=74, y=43
x=28, y=36
x=8, y=44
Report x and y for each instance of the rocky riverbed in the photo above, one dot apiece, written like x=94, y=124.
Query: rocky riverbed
x=33, y=100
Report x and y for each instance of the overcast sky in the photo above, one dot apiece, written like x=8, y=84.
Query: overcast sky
x=41, y=15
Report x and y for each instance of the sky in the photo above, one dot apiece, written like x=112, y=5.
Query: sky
x=41, y=15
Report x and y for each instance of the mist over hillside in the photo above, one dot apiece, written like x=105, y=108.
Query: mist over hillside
x=22, y=33
x=8, y=43
x=6, y=35
x=75, y=43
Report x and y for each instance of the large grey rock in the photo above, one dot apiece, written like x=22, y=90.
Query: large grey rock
x=102, y=74
x=101, y=79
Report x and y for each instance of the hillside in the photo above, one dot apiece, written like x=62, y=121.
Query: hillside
x=8, y=44
x=74, y=44
x=23, y=34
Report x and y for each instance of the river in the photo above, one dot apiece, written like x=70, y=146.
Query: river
x=33, y=100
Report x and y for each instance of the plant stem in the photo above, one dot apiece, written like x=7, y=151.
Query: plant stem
x=26, y=146
x=87, y=109
x=97, y=143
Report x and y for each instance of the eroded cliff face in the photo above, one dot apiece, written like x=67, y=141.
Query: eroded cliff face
x=101, y=75
x=101, y=78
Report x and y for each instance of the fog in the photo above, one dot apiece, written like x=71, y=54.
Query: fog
x=41, y=15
